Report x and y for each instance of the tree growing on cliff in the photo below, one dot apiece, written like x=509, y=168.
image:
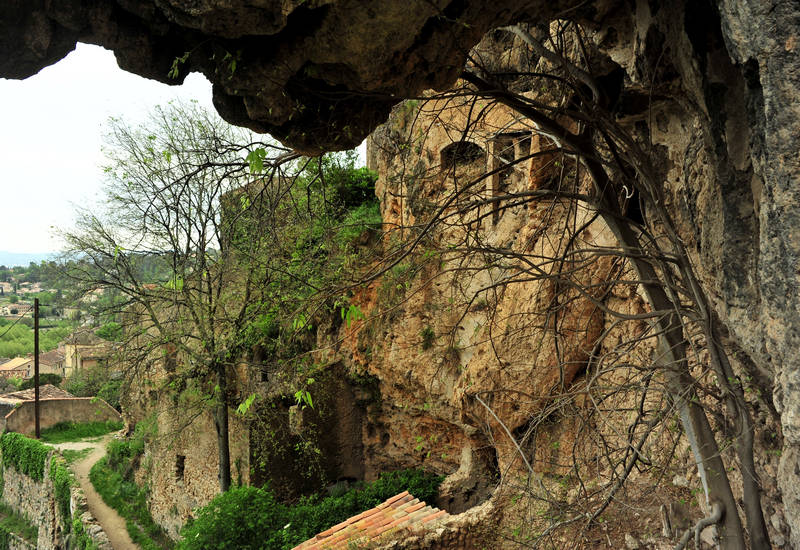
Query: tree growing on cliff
x=165, y=243
x=212, y=240
x=588, y=175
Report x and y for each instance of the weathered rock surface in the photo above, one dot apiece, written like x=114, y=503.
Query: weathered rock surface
x=713, y=84
x=318, y=74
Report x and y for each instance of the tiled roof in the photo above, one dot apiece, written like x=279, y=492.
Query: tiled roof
x=402, y=511
x=51, y=357
x=15, y=363
x=46, y=391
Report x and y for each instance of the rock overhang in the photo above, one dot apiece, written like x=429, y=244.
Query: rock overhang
x=316, y=74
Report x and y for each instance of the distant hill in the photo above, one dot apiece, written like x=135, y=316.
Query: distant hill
x=10, y=259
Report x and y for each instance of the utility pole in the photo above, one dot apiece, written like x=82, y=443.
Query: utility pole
x=36, y=363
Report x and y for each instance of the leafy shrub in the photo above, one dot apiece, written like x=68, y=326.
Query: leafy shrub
x=95, y=381
x=356, y=221
x=250, y=518
x=46, y=378
x=127, y=498
x=81, y=539
x=246, y=518
x=62, y=481
x=111, y=331
x=25, y=455
x=122, y=453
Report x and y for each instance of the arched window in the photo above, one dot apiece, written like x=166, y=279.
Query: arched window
x=460, y=153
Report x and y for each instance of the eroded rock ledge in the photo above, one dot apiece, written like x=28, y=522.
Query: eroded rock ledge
x=317, y=74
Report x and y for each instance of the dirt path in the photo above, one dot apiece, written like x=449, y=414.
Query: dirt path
x=109, y=519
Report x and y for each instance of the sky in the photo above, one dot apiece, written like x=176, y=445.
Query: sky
x=51, y=128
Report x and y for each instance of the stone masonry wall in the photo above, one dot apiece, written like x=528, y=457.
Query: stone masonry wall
x=36, y=501
x=53, y=411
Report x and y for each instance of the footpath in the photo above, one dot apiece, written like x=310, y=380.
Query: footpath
x=108, y=518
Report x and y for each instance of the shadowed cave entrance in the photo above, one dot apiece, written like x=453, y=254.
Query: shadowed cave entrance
x=343, y=439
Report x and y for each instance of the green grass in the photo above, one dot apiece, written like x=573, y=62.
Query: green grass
x=130, y=501
x=15, y=523
x=75, y=431
x=72, y=456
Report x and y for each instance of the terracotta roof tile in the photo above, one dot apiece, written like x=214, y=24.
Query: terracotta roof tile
x=46, y=391
x=399, y=512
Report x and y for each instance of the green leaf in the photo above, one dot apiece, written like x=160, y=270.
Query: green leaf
x=245, y=406
x=353, y=313
x=255, y=159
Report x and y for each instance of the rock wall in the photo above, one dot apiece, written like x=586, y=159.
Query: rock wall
x=52, y=411
x=463, y=363
x=181, y=462
x=711, y=85
x=36, y=501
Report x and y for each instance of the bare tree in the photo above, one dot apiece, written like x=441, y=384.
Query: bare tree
x=591, y=190
x=182, y=239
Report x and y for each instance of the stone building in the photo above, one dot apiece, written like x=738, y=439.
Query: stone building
x=83, y=349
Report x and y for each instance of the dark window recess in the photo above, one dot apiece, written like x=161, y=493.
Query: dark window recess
x=170, y=357
x=508, y=148
x=461, y=152
x=633, y=207
x=523, y=146
x=180, y=467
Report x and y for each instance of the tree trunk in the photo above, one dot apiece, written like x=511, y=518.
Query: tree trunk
x=679, y=381
x=680, y=385
x=221, y=424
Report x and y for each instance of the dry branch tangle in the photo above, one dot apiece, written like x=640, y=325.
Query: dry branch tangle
x=725, y=116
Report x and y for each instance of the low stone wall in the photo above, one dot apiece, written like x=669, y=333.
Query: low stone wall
x=36, y=501
x=52, y=411
x=467, y=531
x=18, y=543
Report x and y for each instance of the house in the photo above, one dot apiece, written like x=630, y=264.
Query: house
x=15, y=368
x=83, y=349
x=51, y=362
x=15, y=310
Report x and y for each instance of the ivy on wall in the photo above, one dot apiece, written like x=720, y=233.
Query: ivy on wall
x=28, y=457
x=62, y=481
x=25, y=455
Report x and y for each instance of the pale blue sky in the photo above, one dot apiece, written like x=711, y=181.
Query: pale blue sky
x=51, y=128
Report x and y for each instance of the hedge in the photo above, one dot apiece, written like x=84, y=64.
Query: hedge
x=248, y=518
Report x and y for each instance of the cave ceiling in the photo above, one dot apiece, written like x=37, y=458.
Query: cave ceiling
x=316, y=74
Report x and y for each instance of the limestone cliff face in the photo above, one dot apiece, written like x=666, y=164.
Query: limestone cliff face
x=711, y=85
x=469, y=352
